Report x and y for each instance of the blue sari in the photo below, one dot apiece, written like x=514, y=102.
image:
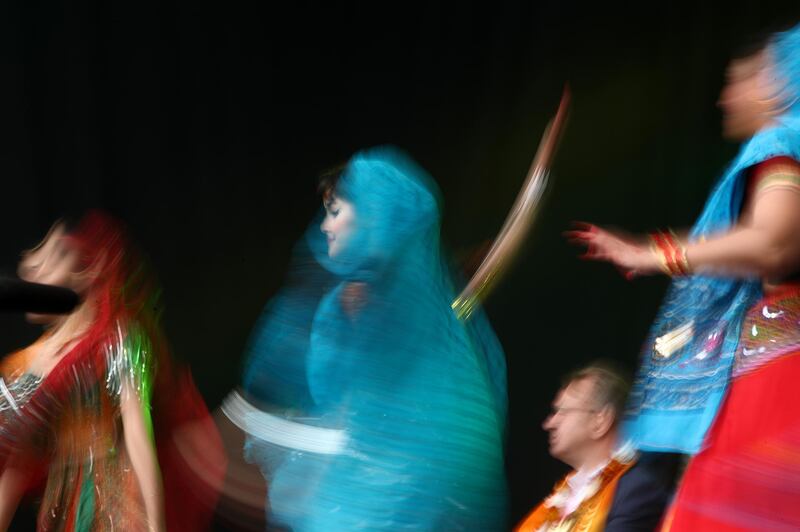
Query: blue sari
x=689, y=352
x=366, y=344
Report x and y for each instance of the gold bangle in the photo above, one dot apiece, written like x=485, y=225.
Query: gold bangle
x=670, y=253
x=656, y=247
x=680, y=261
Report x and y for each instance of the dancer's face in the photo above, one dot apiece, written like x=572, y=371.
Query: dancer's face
x=339, y=223
x=53, y=262
x=570, y=424
x=750, y=98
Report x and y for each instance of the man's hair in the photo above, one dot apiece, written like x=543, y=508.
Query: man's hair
x=611, y=386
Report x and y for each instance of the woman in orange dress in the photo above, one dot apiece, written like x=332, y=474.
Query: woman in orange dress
x=78, y=401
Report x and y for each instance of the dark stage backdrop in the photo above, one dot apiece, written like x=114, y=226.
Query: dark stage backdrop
x=203, y=125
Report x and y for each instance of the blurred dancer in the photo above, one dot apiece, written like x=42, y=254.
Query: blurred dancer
x=380, y=409
x=78, y=401
x=730, y=319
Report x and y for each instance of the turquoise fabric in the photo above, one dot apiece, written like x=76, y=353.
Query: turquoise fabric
x=420, y=394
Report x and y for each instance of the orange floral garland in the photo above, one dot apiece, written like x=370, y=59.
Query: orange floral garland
x=590, y=514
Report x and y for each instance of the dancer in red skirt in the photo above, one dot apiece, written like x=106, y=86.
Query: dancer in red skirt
x=721, y=367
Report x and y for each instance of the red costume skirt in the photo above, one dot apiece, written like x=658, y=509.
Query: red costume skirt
x=747, y=477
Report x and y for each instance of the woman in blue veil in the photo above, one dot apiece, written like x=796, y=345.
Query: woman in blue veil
x=720, y=366
x=377, y=408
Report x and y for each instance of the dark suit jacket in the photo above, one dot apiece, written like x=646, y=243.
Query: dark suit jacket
x=643, y=493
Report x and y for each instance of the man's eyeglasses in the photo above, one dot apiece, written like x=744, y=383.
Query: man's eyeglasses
x=566, y=410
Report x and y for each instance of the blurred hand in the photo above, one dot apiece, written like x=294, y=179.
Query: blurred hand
x=630, y=257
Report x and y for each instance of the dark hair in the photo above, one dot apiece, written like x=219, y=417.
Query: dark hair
x=611, y=386
x=750, y=47
x=758, y=41
x=329, y=180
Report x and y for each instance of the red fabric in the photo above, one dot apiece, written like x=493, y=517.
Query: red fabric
x=188, y=444
x=748, y=477
x=183, y=428
x=115, y=294
x=765, y=168
x=190, y=454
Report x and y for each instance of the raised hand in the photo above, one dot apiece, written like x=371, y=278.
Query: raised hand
x=629, y=256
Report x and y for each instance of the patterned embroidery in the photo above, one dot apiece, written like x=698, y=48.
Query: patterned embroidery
x=590, y=514
x=780, y=179
x=771, y=329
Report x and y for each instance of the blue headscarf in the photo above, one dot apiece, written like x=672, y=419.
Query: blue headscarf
x=420, y=395
x=677, y=394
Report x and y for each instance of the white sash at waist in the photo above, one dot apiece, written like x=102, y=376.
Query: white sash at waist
x=281, y=431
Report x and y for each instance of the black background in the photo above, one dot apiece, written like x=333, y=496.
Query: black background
x=204, y=125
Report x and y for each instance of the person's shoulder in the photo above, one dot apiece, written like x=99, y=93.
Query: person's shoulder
x=643, y=492
x=657, y=470
x=782, y=164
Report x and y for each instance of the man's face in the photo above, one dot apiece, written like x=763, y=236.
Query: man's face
x=571, y=422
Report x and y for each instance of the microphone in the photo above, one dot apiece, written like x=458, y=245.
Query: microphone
x=17, y=295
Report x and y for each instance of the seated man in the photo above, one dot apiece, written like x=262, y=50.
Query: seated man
x=609, y=488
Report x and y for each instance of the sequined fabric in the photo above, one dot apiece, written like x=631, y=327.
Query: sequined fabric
x=91, y=485
x=17, y=387
x=70, y=429
x=15, y=394
x=771, y=329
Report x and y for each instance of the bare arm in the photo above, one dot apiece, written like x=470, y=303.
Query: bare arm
x=12, y=485
x=765, y=243
x=139, y=443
